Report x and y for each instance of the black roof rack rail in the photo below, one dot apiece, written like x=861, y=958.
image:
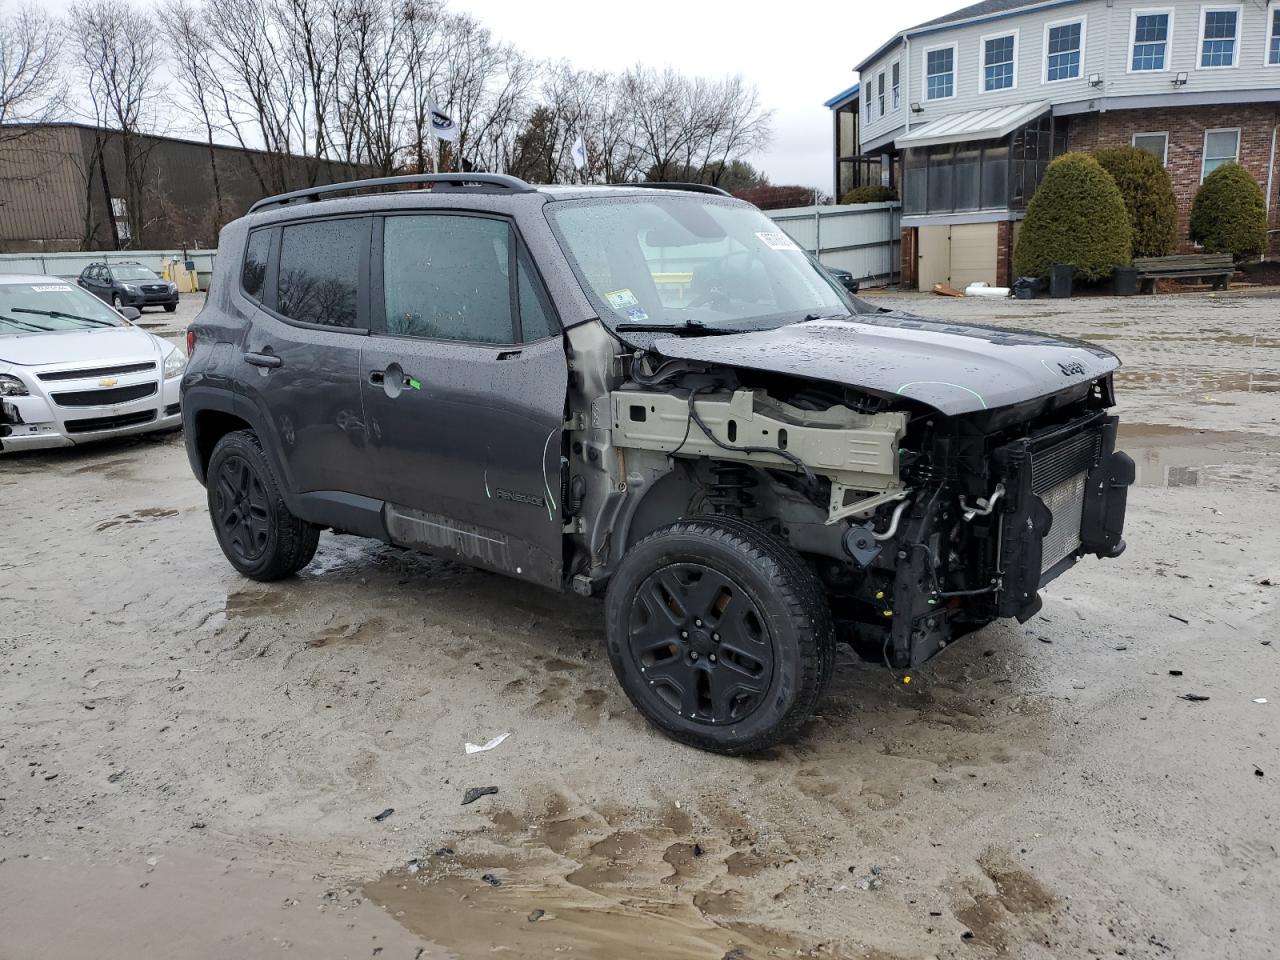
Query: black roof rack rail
x=687, y=187
x=448, y=181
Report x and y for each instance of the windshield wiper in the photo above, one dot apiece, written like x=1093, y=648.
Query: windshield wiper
x=67, y=316
x=685, y=326
x=20, y=324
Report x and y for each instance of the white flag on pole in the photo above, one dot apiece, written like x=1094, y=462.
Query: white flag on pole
x=443, y=126
x=579, y=154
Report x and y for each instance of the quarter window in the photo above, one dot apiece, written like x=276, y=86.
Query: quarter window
x=940, y=76
x=1150, y=41
x=998, y=55
x=253, y=274
x=1156, y=144
x=447, y=278
x=1062, y=49
x=320, y=266
x=1220, y=146
x=1219, y=30
x=535, y=314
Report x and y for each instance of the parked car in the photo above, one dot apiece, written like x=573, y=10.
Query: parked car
x=74, y=370
x=129, y=284
x=650, y=394
x=843, y=277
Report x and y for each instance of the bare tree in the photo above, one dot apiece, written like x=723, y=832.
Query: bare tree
x=185, y=31
x=118, y=56
x=32, y=88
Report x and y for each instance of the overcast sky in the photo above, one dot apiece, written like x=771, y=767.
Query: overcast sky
x=798, y=54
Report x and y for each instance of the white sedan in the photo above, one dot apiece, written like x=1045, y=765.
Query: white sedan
x=73, y=369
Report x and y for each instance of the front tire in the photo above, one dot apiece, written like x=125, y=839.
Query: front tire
x=170, y=307
x=719, y=634
x=116, y=301
x=256, y=531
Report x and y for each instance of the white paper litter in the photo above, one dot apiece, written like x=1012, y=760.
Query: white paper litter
x=1260, y=700
x=472, y=748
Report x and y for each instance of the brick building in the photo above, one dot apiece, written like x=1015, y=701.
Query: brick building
x=966, y=111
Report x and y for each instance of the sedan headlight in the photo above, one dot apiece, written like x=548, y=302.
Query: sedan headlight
x=175, y=361
x=12, y=386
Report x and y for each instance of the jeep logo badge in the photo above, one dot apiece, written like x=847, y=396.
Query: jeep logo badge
x=1073, y=369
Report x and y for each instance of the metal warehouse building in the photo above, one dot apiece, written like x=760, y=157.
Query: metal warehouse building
x=64, y=187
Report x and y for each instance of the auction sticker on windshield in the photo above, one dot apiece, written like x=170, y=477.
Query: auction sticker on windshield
x=52, y=288
x=621, y=299
x=777, y=241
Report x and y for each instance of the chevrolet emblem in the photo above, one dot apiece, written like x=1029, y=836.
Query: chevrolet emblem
x=108, y=382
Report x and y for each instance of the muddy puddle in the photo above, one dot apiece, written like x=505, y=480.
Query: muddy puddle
x=570, y=882
x=1168, y=456
x=1191, y=380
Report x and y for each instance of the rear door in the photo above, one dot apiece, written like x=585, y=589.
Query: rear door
x=464, y=378
x=301, y=352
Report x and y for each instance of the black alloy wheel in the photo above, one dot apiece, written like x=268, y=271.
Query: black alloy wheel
x=251, y=520
x=719, y=634
x=701, y=643
x=240, y=509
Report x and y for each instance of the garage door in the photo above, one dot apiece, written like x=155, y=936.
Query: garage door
x=958, y=254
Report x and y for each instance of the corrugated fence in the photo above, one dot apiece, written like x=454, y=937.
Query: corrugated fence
x=864, y=239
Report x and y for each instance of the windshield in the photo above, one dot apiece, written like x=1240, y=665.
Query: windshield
x=51, y=306
x=132, y=273
x=691, y=261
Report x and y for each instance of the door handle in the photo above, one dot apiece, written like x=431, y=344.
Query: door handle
x=509, y=355
x=263, y=360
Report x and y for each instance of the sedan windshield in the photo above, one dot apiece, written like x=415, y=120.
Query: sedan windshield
x=51, y=306
x=692, y=262
x=132, y=273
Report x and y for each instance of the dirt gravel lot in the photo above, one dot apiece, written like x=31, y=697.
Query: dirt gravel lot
x=191, y=763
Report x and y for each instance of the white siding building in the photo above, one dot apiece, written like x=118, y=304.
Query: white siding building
x=967, y=110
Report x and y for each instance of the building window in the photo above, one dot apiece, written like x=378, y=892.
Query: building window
x=1156, y=144
x=940, y=73
x=1273, y=49
x=1219, y=32
x=1220, y=146
x=999, y=55
x=897, y=85
x=880, y=91
x=1064, y=47
x=1151, y=29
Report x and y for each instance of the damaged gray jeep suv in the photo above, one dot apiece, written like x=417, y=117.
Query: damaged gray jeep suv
x=652, y=394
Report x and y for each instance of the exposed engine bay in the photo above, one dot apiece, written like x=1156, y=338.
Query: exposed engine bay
x=922, y=526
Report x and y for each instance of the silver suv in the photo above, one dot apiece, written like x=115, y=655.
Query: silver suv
x=649, y=393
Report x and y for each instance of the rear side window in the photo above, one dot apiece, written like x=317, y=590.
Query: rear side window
x=253, y=274
x=320, y=265
x=447, y=277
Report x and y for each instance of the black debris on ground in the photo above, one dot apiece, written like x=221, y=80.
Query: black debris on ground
x=384, y=814
x=1194, y=697
x=491, y=880
x=537, y=915
x=475, y=793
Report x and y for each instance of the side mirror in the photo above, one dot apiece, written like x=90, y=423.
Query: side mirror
x=130, y=313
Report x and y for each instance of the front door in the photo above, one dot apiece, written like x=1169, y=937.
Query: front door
x=464, y=378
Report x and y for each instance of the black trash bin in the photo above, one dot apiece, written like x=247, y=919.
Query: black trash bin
x=1060, y=280
x=1026, y=288
x=1126, y=282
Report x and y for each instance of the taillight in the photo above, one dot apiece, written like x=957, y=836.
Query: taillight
x=191, y=341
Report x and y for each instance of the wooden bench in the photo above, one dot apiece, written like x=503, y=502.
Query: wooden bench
x=1216, y=266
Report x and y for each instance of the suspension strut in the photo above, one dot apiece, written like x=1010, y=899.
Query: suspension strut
x=731, y=493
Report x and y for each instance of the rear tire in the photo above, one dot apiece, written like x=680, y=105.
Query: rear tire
x=719, y=634
x=256, y=531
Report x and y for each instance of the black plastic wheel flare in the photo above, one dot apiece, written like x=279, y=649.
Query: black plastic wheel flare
x=701, y=644
x=240, y=508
